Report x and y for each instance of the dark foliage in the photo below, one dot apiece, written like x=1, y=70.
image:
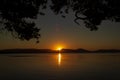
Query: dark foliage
x=92, y=12
x=14, y=13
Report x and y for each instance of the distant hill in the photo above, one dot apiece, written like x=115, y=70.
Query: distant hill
x=74, y=51
x=107, y=51
x=26, y=51
x=7, y=51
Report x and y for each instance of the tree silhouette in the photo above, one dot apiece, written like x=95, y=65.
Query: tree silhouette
x=92, y=12
x=14, y=14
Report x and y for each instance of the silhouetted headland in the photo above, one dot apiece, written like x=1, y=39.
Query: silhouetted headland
x=7, y=51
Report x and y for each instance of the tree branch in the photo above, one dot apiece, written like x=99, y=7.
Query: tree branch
x=78, y=17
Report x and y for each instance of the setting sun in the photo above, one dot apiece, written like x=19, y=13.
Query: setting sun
x=59, y=48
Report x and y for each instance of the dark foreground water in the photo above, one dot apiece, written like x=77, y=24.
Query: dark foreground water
x=58, y=66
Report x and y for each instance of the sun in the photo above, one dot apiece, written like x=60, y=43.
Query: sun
x=59, y=48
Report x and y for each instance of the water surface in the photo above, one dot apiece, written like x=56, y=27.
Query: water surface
x=60, y=66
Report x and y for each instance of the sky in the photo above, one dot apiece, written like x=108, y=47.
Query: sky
x=57, y=31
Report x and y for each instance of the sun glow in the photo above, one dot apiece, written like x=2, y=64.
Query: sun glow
x=59, y=48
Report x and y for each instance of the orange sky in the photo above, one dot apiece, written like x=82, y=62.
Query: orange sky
x=56, y=31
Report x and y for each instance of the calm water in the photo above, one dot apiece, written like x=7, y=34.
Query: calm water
x=60, y=66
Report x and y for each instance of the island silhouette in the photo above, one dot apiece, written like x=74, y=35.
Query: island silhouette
x=80, y=50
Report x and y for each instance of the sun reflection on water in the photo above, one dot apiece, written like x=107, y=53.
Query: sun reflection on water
x=59, y=59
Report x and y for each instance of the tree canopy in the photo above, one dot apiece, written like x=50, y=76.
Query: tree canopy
x=14, y=14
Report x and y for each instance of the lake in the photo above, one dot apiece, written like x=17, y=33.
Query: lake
x=60, y=66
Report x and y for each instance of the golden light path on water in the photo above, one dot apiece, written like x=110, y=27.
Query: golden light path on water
x=59, y=59
x=59, y=55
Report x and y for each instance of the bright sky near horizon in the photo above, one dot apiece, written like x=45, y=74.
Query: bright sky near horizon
x=57, y=31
